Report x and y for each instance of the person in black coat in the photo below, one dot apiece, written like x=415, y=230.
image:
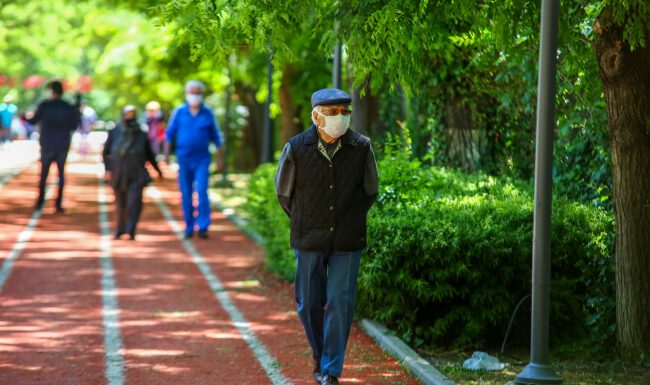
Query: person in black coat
x=126, y=151
x=57, y=119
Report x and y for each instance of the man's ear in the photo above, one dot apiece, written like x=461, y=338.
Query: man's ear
x=315, y=117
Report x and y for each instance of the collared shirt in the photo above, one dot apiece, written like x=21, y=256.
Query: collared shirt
x=286, y=174
x=329, y=149
x=193, y=134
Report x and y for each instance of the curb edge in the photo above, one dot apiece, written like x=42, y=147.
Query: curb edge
x=420, y=367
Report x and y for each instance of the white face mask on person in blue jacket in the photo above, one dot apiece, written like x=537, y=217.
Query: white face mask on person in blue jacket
x=194, y=99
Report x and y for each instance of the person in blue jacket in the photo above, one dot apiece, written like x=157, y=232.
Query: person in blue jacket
x=192, y=127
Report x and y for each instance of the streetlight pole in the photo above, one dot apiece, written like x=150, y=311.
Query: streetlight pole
x=337, y=62
x=336, y=67
x=539, y=370
x=267, y=138
x=226, y=131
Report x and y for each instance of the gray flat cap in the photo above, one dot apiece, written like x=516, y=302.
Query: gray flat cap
x=330, y=97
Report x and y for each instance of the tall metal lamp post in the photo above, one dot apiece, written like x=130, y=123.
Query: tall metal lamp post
x=337, y=62
x=267, y=136
x=539, y=370
x=224, y=182
x=336, y=67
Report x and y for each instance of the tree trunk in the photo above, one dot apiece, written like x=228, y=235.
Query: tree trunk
x=366, y=110
x=290, y=118
x=249, y=155
x=626, y=83
x=462, y=140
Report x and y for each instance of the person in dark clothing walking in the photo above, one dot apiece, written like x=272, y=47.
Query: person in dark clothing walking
x=326, y=183
x=58, y=119
x=126, y=151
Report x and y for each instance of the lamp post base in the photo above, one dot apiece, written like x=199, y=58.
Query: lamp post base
x=534, y=374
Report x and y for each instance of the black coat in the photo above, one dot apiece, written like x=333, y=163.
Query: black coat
x=125, y=155
x=58, y=119
x=330, y=203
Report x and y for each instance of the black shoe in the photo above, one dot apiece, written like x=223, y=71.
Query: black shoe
x=60, y=210
x=203, y=234
x=327, y=380
x=316, y=371
x=189, y=235
x=117, y=235
x=131, y=237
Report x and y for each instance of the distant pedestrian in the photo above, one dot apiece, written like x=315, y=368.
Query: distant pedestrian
x=57, y=119
x=326, y=182
x=18, y=128
x=156, y=125
x=29, y=129
x=192, y=127
x=126, y=152
x=88, y=120
x=7, y=112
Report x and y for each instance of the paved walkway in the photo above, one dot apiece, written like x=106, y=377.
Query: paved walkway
x=77, y=307
x=16, y=155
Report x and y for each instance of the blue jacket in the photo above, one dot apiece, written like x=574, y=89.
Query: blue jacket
x=192, y=135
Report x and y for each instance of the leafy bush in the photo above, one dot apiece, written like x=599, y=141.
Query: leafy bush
x=269, y=220
x=449, y=254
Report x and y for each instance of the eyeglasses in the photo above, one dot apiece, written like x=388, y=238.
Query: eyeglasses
x=333, y=111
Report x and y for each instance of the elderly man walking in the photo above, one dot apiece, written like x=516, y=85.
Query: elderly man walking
x=326, y=182
x=192, y=127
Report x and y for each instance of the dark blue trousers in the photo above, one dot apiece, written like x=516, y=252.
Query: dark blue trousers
x=47, y=158
x=326, y=288
x=193, y=176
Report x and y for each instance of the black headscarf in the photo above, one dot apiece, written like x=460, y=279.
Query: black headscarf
x=130, y=129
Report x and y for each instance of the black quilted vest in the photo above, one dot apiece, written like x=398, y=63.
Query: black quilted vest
x=329, y=203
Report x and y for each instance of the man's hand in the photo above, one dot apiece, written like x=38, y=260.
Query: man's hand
x=166, y=151
x=220, y=163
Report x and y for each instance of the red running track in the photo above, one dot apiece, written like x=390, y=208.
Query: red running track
x=172, y=327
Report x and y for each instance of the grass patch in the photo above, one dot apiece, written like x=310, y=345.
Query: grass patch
x=233, y=196
x=576, y=370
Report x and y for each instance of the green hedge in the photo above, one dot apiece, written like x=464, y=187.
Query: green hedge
x=269, y=220
x=449, y=254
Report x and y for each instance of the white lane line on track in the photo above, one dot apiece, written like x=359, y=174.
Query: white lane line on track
x=21, y=242
x=270, y=365
x=114, y=360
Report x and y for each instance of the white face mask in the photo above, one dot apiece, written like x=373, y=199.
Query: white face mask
x=193, y=99
x=335, y=126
